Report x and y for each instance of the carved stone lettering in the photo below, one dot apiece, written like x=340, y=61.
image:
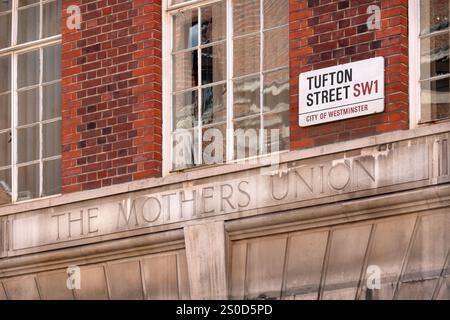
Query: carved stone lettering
x=233, y=193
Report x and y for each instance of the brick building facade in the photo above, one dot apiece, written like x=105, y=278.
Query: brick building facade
x=344, y=196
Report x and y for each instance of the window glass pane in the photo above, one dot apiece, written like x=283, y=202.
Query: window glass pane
x=28, y=24
x=28, y=181
x=51, y=136
x=51, y=21
x=52, y=63
x=247, y=68
x=51, y=177
x=185, y=111
x=214, y=64
x=214, y=22
x=5, y=186
x=276, y=48
x=5, y=111
x=5, y=5
x=28, y=69
x=214, y=147
x=186, y=31
x=28, y=106
x=23, y=3
x=5, y=147
x=276, y=135
x=5, y=27
x=27, y=144
x=5, y=78
x=246, y=94
x=246, y=16
x=185, y=149
x=246, y=55
x=276, y=13
x=51, y=101
x=185, y=72
x=434, y=15
x=434, y=56
x=276, y=91
x=246, y=137
x=214, y=104
x=435, y=100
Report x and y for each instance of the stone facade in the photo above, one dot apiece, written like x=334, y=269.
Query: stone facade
x=348, y=196
x=344, y=207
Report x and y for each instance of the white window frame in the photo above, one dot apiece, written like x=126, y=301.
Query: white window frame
x=415, y=103
x=167, y=46
x=414, y=63
x=14, y=51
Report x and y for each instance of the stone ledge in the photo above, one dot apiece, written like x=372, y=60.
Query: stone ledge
x=363, y=174
x=431, y=198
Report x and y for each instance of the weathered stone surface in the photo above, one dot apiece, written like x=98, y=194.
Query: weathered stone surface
x=206, y=261
x=368, y=171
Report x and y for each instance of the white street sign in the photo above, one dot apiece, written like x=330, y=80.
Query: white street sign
x=345, y=91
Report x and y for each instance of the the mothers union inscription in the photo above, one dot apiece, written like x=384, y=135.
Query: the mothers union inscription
x=235, y=193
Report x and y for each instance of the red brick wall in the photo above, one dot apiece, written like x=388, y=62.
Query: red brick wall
x=112, y=81
x=111, y=88
x=325, y=33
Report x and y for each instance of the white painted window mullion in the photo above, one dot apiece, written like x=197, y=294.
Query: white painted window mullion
x=41, y=128
x=14, y=24
x=14, y=171
x=199, y=91
x=41, y=22
x=414, y=63
x=230, y=97
x=261, y=79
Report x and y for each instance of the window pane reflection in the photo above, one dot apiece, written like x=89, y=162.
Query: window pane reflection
x=435, y=99
x=5, y=79
x=186, y=30
x=51, y=177
x=185, y=110
x=246, y=97
x=28, y=69
x=27, y=144
x=214, y=66
x=51, y=101
x=246, y=16
x=5, y=27
x=28, y=106
x=246, y=55
x=51, y=63
x=434, y=56
x=5, y=147
x=5, y=5
x=214, y=104
x=213, y=22
x=185, y=67
x=276, y=91
x=28, y=180
x=434, y=15
x=51, y=18
x=5, y=111
x=5, y=186
x=51, y=135
x=28, y=24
